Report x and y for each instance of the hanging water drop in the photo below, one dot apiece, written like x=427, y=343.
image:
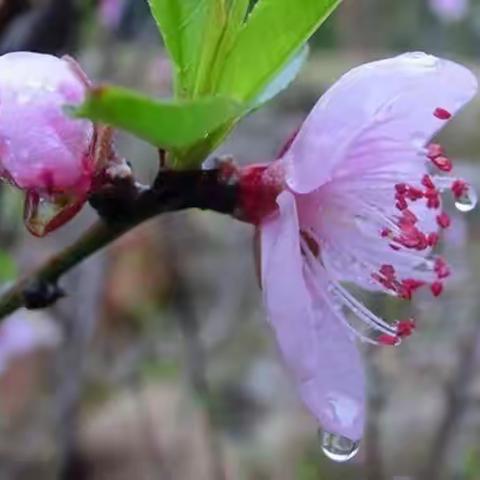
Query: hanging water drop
x=338, y=448
x=467, y=201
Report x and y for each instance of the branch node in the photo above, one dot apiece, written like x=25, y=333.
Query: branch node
x=39, y=294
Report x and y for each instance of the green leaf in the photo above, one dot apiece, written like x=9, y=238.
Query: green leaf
x=174, y=126
x=271, y=36
x=191, y=30
x=237, y=13
x=8, y=267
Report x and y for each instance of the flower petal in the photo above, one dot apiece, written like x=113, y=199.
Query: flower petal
x=336, y=394
x=393, y=99
x=286, y=297
x=316, y=347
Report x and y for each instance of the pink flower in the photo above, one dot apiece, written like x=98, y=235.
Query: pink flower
x=450, y=10
x=42, y=150
x=360, y=203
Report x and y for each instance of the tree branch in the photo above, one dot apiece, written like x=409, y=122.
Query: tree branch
x=121, y=207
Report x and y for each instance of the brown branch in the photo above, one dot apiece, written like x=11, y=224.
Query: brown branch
x=122, y=207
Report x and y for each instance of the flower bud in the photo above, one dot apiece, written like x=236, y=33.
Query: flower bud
x=43, y=151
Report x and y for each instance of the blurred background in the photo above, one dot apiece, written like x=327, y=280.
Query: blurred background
x=159, y=364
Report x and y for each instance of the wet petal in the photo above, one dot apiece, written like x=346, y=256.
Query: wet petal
x=394, y=100
x=336, y=393
x=316, y=347
x=285, y=293
x=50, y=154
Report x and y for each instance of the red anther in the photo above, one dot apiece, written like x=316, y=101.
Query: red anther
x=406, y=327
x=422, y=242
x=434, y=150
x=408, y=241
x=412, y=237
x=436, y=288
x=433, y=199
x=389, y=340
x=441, y=268
x=408, y=287
x=433, y=239
x=387, y=283
x=414, y=193
x=443, y=163
x=443, y=220
x=401, y=204
x=428, y=182
x=412, y=283
x=405, y=293
x=459, y=188
x=442, y=114
x=408, y=218
x=387, y=270
x=401, y=188
x=385, y=232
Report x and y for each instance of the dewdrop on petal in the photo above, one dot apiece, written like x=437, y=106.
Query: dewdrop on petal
x=43, y=151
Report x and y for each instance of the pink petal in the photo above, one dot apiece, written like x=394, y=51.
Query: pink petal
x=316, y=347
x=50, y=153
x=285, y=294
x=393, y=99
x=336, y=394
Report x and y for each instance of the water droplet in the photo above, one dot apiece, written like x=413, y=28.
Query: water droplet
x=337, y=447
x=467, y=201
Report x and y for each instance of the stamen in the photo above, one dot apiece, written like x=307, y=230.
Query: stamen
x=409, y=286
x=414, y=194
x=427, y=182
x=443, y=220
x=441, y=268
x=388, y=340
x=436, y=288
x=458, y=188
x=434, y=150
x=442, y=114
x=442, y=163
x=336, y=295
x=401, y=203
x=433, y=198
x=406, y=327
x=433, y=239
x=407, y=219
x=358, y=309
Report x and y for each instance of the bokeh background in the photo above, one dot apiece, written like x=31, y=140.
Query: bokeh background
x=159, y=364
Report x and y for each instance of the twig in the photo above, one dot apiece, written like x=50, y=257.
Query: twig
x=122, y=208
